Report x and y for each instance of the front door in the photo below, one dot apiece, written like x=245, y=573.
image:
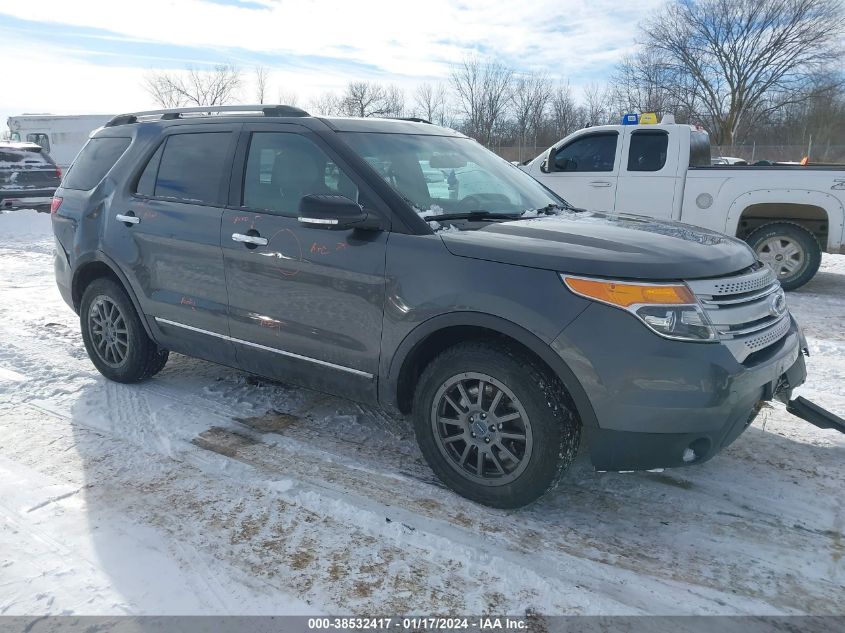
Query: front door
x=166, y=235
x=585, y=170
x=305, y=304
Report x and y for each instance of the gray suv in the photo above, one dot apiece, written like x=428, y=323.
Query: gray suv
x=403, y=265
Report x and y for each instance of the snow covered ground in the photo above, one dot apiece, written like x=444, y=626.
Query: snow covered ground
x=206, y=490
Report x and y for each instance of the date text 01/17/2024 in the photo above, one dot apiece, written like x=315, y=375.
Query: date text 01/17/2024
x=485, y=623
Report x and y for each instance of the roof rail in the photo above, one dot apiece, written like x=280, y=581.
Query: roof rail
x=199, y=111
x=413, y=119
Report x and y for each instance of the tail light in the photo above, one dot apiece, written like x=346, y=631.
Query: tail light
x=58, y=172
x=55, y=204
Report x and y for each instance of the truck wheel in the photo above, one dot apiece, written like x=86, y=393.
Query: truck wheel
x=493, y=425
x=114, y=337
x=788, y=249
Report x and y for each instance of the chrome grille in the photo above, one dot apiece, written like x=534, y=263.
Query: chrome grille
x=747, y=310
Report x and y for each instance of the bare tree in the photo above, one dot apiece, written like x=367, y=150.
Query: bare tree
x=483, y=91
x=366, y=99
x=645, y=83
x=288, y=97
x=195, y=87
x=326, y=104
x=262, y=75
x=394, y=101
x=160, y=87
x=430, y=102
x=746, y=56
x=597, y=104
x=564, y=111
x=530, y=97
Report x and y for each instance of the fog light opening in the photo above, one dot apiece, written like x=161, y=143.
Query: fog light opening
x=696, y=450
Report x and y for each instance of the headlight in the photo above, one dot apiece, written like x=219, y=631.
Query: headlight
x=670, y=310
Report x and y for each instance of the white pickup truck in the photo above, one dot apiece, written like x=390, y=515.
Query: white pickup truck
x=787, y=213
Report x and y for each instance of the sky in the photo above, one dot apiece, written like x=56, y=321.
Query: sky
x=90, y=57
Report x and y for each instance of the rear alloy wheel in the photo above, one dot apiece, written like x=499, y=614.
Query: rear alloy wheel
x=791, y=251
x=108, y=331
x=493, y=424
x=114, y=336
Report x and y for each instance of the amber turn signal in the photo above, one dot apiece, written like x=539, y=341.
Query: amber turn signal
x=624, y=294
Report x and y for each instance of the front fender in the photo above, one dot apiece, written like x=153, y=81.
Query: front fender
x=389, y=380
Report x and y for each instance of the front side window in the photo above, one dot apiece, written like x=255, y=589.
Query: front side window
x=444, y=174
x=648, y=150
x=192, y=167
x=595, y=152
x=41, y=139
x=94, y=161
x=282, y=167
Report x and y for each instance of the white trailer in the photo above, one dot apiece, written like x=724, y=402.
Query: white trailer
x=62, y=136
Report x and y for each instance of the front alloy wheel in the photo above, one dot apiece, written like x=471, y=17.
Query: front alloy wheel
x=481, y=428
x=494, y=424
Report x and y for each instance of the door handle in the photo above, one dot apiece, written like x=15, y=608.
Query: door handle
x=129, y=219
x=600, y=183
x=249, y=239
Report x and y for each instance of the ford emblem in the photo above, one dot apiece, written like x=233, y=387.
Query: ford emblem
x=778, y=305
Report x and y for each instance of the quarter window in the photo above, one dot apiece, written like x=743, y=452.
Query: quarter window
x=192, y=167
x=282, y=167
x=648, y=150
x=596, y=152
x=147, y=181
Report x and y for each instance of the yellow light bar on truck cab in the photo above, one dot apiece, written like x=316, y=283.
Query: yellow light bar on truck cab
x=624, y=294
x=648, y=118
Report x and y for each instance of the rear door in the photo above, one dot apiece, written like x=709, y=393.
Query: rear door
x=165, y=234
x=305, y=304
x=585, y=170
x=648, y=182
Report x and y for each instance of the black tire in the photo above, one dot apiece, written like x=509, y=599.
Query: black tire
x=120, y=350
x=790, y=249
x=551, y=429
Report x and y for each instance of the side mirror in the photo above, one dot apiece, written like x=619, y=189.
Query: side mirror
x=548, y=165
x=338, y=213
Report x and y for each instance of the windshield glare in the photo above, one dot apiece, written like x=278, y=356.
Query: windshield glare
x=444, y=174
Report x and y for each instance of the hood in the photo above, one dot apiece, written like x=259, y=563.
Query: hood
x=586, y=243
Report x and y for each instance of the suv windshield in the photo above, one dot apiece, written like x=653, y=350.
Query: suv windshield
x=446, y=175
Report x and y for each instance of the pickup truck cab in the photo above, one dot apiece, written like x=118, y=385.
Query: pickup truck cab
x=789, y=214
x=330, y=253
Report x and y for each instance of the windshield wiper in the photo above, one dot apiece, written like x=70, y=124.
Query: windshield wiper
x=550, y=209
x=477, y=214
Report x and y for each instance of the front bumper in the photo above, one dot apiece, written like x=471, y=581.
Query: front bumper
x=662, y=403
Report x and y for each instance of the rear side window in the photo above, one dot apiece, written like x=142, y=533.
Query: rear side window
x=648, y=150
x=94, y=161
x=595, y=152
x=192, y=167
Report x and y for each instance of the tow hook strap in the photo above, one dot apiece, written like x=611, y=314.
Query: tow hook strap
x=815, y=415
